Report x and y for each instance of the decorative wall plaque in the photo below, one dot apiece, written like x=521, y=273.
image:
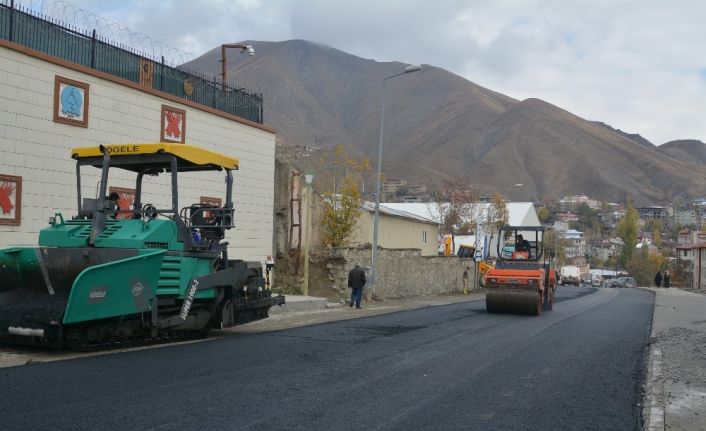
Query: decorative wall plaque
x=188, y=87
x=173, y=124
x=70, y=102
x=10, y=200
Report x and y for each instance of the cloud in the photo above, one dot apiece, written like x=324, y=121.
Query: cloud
x=635, y=64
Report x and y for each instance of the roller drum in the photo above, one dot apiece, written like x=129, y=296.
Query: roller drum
x=513, y=301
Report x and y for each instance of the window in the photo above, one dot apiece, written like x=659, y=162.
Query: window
x=424, y=237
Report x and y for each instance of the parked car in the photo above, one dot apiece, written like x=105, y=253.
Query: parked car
x=623, y=282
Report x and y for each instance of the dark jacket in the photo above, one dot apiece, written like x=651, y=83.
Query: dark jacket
x=356, y=278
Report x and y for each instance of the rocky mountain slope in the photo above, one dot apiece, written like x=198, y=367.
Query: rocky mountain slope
x=687, y=150
x=439, y=125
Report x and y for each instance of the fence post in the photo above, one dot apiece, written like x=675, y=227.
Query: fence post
x=215, y=89
x=12, y=19
x=93, y=49
x=262, y=110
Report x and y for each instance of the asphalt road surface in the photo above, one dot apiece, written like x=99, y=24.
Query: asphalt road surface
x=579, y=367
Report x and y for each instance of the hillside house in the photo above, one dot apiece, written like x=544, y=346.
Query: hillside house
x=686, y=237
x=694, y=258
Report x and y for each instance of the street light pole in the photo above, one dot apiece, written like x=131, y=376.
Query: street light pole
x=376, y=216
x=308, y=178
x=242, y=47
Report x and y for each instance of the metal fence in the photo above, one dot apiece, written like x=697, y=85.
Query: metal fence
x=23, y=27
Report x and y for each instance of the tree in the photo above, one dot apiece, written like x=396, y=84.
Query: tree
x=627, y=231
x=338, y=180
x=456, y=206
x=498, y=215
x=340, y=213
x=553, y=242
x=543, y=214
x=657, y=232
x=643, y=266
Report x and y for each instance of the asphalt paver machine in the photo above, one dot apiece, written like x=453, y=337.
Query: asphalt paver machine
x=523, y=280
x=111, y=276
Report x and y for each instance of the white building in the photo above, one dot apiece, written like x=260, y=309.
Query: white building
x=519, y=214
x=36, y=137
x=576, y=246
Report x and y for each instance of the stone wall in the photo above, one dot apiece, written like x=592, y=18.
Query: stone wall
x=402, y=272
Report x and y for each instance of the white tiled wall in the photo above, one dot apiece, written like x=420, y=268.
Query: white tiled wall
x=36, y=148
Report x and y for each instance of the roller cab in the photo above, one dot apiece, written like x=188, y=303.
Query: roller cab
x=522, y=281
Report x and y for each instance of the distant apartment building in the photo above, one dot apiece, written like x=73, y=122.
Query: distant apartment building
x=686, y=217
x=417, y=189
x=653, y=213
x=611, y=214
x=392, y=185
x=575, y=243
x=606, y=249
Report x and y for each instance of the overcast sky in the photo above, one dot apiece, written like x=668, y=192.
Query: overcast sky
x=638, y=65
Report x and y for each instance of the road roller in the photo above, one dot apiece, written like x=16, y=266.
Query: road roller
x=133, y=269
x=523, y=280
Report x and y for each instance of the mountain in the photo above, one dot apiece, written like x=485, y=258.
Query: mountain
x=687, y=150
x=632, y=136
x=439, y=125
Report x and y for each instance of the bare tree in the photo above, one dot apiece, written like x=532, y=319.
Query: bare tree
x=456, y=208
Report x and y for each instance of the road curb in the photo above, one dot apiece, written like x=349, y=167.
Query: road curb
x=654, y=393
x=293, y=303
x=655, y=401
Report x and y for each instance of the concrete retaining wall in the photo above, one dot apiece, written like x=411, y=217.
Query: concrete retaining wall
x=402, y=272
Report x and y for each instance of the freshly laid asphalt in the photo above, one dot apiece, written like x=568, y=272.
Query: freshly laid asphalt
x=578, y=367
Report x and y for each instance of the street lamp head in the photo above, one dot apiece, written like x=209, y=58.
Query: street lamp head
x=412, y=68
x=250, y=50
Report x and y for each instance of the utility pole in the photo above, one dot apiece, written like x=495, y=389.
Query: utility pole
x=308, y=178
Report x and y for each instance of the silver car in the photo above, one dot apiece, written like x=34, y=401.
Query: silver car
x=623, y=282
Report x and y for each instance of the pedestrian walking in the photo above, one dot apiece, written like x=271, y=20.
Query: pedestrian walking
x=465, y=279
x=356, y=281
x=658, y=279
x=667, y=276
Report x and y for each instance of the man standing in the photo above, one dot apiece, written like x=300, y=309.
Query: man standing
x=667, y=276
x=522, y=244
x=465, y=280
x=658, y=279
x=356, y=281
